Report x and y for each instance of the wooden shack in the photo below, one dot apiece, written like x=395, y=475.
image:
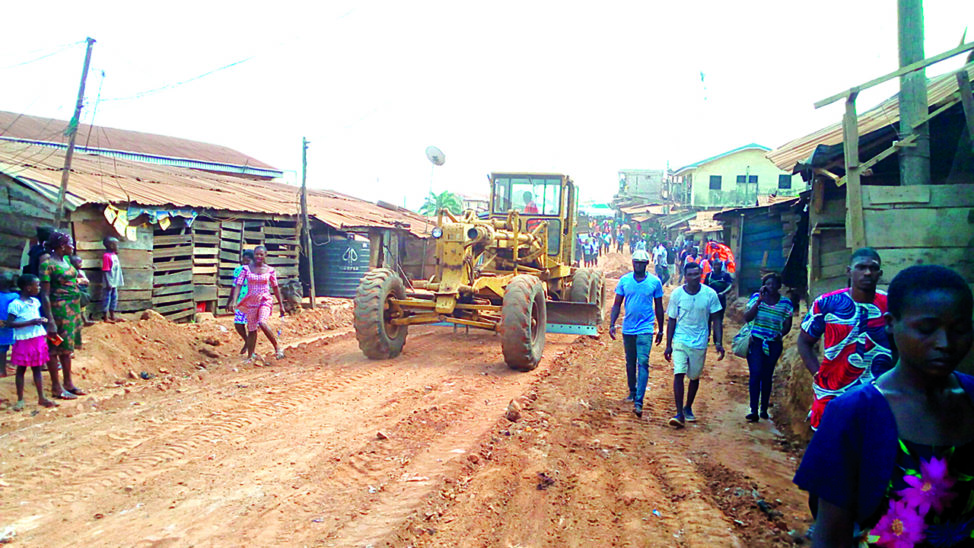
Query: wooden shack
x=908, y=225
x=181, y=230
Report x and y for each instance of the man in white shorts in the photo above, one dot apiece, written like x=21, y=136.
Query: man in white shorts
x=692, y=309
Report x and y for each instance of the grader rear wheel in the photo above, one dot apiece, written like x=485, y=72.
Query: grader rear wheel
x=582, y=289
x=523, y=319
x=377, y=337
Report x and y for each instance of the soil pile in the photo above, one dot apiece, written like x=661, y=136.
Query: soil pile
x=156, y=345
x=615, y=265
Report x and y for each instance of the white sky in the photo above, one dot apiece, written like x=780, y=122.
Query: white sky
x=535, y=86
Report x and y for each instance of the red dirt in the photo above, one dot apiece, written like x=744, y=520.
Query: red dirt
x=291, y=454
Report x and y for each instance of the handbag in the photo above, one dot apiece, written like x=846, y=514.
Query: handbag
x=742, y=341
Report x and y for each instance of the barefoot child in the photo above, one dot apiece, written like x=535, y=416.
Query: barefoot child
x=7, y=296
x=30, y=338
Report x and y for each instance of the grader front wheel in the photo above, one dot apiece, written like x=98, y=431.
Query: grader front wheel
x=378, y=338
x=523, y=320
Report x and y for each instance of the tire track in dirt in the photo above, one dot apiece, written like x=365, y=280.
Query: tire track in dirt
x=267, y=450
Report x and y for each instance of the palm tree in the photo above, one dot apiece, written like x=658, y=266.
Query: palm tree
x=444, y=200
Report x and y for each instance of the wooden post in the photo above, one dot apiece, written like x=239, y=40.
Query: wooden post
x=856, y=233
x=915, y=160
x=966, y=99
x=305, y=225
x=72, y=134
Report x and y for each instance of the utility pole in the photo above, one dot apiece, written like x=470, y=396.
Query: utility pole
x=305, y=226
x=914, y=160
x=72, y=133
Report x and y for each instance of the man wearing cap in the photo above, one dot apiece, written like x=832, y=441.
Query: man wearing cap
x=642, y=294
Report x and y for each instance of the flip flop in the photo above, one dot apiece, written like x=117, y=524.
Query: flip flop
x=279, y=355
x=19, y=406
x=47, y=403
x=77, y=391
x=65, y=395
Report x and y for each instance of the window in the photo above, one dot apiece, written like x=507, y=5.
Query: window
x=530, y=195
x=741, y=179
x=752, y=179
x=715, y=182
x=784, y=181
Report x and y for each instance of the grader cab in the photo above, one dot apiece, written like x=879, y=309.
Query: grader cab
x=510, y=273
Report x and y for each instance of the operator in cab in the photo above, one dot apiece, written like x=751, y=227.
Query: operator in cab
x=529, y=205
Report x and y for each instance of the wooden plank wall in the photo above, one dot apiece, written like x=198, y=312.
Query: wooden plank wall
x=280, y=237
x=173, y=290
x=231, y=244
x=90, y=229
x=923, y=224
x=22, y=211
x=828, y=253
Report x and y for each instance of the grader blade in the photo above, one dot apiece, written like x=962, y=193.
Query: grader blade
x=573, y=318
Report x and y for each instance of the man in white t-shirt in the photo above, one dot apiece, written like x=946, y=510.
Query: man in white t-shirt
x=692, y=310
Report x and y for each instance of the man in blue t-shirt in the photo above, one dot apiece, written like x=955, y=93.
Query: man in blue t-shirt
x=642, y=294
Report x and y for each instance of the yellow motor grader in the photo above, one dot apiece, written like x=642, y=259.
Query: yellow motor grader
x=508, y=272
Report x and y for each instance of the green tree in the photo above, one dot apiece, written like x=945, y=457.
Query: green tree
x=444, y=200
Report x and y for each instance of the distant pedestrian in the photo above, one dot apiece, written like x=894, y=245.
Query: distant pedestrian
x=671, y=261
x=239, y=318
x=642, y=295
x=261, y=282
x=39, y=248
x=691, y=314
x=722, y=283
x=23, y=315
x=770, y=317
x=659, y=262
x=894, y=459
x=111, y=267
x=620, y=240
x=7, y=296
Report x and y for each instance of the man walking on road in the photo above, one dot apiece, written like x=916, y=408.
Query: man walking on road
x=857, y=348
x=692, y=310
x=642, y=294
x=659, y=262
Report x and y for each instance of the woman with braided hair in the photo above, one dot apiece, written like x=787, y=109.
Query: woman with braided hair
x=61, y=300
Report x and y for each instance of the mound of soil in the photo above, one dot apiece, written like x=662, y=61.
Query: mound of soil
x=615, y=265
x=156, y=345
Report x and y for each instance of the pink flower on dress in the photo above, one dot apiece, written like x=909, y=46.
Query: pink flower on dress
x=931, y=489
x=901, y=527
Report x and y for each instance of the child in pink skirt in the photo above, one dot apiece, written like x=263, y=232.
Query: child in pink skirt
x=30, y=338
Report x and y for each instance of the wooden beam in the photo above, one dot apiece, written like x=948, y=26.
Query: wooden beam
x=897, y=145
x=856, y=236
x=913, y=67
x=964, y=86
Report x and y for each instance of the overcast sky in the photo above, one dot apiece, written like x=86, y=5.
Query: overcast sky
x=567, y=87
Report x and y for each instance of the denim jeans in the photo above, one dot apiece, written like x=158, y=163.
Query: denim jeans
x=761, y=369
x=662, y=273
x=111, y=299
x=637, y=364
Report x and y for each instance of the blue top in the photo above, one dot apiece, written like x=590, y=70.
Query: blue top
x=639, y=298
x=6, y=333
x=851, y=457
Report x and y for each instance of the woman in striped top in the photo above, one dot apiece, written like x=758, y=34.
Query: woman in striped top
x=770, y=317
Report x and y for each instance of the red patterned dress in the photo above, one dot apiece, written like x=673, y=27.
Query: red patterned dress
x=857, y=349
x=257, y=304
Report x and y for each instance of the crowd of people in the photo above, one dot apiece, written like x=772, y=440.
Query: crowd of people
x=891, y=461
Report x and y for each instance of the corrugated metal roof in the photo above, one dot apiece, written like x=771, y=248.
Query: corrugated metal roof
x=100, y=180
x=22, y=126
x=655, y=209
x=939, y=90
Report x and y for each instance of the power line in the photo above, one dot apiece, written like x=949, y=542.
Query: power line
x=58, y=49
x=142, y=94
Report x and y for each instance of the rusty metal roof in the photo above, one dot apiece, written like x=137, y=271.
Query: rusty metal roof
x=939, y=90
x=101, y=180
x=35, y=128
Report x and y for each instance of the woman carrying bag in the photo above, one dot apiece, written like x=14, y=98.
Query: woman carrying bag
x=769, y=315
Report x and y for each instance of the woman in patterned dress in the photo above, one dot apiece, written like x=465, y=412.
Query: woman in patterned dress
x=61, y=300
x=256, y=305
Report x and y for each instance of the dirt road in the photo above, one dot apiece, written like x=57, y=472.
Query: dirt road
x=293, y=455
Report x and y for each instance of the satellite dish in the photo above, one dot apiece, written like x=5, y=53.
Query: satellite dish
x=435, y=155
